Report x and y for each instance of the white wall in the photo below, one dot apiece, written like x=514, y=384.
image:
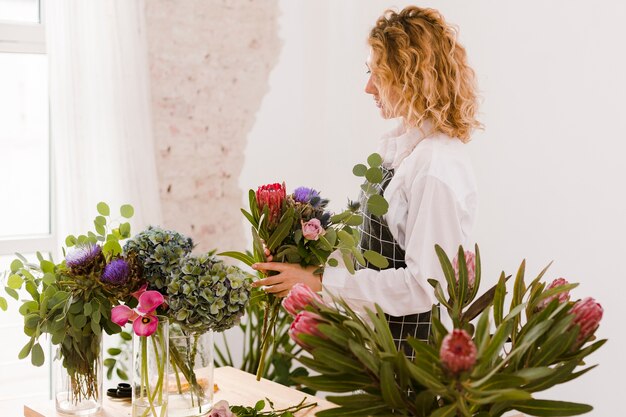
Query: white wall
x=549, y=163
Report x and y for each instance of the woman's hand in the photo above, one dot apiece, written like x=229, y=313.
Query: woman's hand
x=288, y=275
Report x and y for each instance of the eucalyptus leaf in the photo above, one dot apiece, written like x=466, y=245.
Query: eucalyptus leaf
x=37, y=356
x=359, y=170
x=127, y=211
x=374, y=175
x=377, y=205
x=15, y=282
x=103, y=208
x=376, y=259
x=374, y=160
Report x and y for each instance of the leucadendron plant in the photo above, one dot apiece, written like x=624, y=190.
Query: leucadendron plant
x=500, y=353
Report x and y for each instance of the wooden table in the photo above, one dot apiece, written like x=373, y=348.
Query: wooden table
x=235, y=386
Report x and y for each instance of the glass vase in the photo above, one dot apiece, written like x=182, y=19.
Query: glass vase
x=150, y=372
x=191, y=373
x=77, y=374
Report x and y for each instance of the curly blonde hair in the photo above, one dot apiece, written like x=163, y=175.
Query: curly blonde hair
x=417, y=60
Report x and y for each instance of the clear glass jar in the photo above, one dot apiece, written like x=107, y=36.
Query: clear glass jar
x=150, y=372
x=77, y=376
x=191, y=373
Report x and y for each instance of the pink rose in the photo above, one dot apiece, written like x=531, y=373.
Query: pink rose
x=458, y=352
x=563, y=297
x=306, y=322
x=221, y=409
x=312, y=229
x=470, y=262
x=300, y=296
x=587, y=314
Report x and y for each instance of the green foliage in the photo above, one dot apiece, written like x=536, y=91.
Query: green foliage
x=69, y=303
x=206, y=294
x=531, y=348
x=257, y=410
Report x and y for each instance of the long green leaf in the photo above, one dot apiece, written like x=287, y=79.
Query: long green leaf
x=518, y=292
x=250, y=218
x=498, y=300
x=383, y=334
x=240, y=256
x=338, y=361
x=477, y=273
x=366, y=357
x=494, y=346
x=463, y=283
x=448, y=271
x=254, y=207
x=282, y=230
x=424, y=377
x=447, y=411
x=551, y=408
x=359, y=412
x=389, y=387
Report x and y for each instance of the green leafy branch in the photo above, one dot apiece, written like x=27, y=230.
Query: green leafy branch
x=257, y=410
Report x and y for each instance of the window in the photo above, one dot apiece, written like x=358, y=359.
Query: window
x=26, y=209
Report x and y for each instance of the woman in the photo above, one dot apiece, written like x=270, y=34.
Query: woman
x=420, y=74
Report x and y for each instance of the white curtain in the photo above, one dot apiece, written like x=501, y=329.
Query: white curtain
x=100, y=112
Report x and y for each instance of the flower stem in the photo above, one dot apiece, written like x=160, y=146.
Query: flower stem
x=272, y=313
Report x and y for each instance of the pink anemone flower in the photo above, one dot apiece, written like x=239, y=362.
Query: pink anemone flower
x=144, y=320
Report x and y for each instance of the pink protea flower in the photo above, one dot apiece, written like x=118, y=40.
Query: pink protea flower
x=563, y=297
x=144, y=320
x=587, y=314
x=312, y=230
x=306, y=322
x=300, y=296
x=458, y=352
x=470, y=262
x=272, y=196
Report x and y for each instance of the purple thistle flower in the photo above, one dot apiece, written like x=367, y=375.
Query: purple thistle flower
x=116, y=272
x=82, y=255
x=305, y=195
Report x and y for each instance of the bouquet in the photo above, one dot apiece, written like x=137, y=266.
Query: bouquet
x=71, y=301
x=470, y=370
x=297, y=228
x=200, y=294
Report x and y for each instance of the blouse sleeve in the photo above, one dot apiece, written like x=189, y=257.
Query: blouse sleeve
x=434, y=216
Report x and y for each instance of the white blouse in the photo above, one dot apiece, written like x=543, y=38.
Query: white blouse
x=432, y=200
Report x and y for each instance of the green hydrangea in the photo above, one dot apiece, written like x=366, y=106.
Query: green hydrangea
x=207, y=294
x=158, y=252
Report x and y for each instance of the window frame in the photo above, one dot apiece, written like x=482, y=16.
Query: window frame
x=24, y=37
x=30, y=38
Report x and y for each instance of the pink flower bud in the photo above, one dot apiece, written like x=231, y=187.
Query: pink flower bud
x=300, y=296
x=587, y=314
x=458, y=352
x=305, y=322
x=470, y=262
x=563, y=297
x=312, y=229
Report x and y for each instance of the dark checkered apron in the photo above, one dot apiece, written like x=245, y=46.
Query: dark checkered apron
x=376, y=236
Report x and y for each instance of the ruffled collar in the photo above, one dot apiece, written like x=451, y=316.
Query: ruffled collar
x=396, y=145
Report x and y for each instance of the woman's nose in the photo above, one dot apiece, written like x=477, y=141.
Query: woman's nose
x=370, y=88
